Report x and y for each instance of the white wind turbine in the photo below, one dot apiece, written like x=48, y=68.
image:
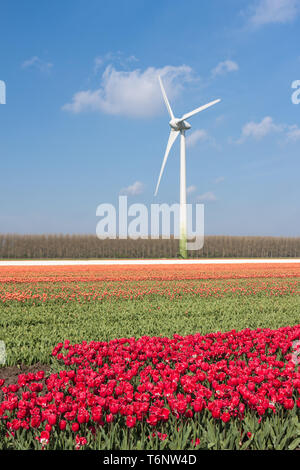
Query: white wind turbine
x=179, y=126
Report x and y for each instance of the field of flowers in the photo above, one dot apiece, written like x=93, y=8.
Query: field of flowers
x=160, y=357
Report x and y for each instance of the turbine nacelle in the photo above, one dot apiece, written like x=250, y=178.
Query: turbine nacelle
x=179, y=125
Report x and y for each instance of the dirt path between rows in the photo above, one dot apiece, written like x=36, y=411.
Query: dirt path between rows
x=10, y=374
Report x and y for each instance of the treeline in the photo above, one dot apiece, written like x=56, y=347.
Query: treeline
x=15, y=246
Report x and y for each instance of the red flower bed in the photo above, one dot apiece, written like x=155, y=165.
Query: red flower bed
x=154, y=379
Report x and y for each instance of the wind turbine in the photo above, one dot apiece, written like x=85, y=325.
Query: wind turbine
x=179, y=126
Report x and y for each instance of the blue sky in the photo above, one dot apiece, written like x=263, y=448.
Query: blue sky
x=84, y=119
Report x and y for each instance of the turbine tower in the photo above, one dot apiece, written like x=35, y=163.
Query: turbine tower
x=179, y=126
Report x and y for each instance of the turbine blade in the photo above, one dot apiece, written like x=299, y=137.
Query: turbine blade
x=197, y=110
x=172, y=138
x=166, y=98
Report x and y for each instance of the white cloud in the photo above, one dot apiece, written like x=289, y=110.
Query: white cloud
x=208, y=197
x=38, y=63
x=98, y=62
x=133, y=190
x=113, y=58
x=259, y=130
x=293, y=133
x=218, y=180
x=225, y=67
x=30, y=62
x=273, y=11
x=191, y=189
x=135, y=93
x=200, y=135
x=220, y=119
x=267, y=126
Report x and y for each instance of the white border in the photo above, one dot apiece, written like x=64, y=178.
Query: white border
x=131, y=262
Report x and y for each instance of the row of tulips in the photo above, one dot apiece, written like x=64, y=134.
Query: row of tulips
x=150, y=386
x=35, y=274
x=87, y=292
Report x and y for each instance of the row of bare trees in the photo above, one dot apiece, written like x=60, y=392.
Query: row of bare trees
x=15, y=246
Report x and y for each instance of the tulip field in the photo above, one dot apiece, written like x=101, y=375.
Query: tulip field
x=173, y=357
